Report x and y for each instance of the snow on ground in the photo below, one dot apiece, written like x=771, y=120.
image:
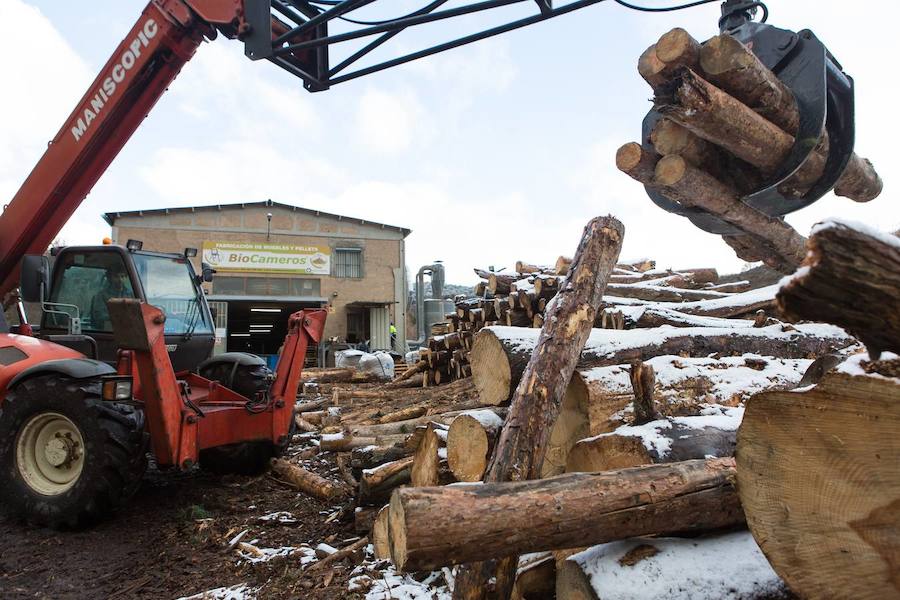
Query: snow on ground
x=236, y=592
x=380, y=581
x=711, y=568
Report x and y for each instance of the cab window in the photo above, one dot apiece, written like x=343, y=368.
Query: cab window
x=87, y=281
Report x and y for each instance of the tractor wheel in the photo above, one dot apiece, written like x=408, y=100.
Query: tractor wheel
x=246, y=380
x=67, y=458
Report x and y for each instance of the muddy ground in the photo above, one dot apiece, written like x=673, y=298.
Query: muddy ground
x=172, y=539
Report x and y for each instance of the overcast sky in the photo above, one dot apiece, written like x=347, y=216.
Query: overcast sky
x=499, y=151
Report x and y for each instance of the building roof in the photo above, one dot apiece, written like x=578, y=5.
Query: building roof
x=111, y=217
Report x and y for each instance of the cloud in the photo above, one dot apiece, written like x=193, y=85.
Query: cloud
x=390, y=122
x=43, y=87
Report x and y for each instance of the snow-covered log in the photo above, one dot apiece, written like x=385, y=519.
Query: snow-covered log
x=819, y=482
x=851, y=277
x=671, y=439
x=470, y=441
x=720, y=567
x=433, y=527
x=500, y=354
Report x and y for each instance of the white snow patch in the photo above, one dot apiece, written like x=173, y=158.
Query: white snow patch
x=283, y=517
x=853, y=365
x=236, y=592
x=837, y=223
x=737, y=381
x=712, y=568
x=719, y=417
x=487, y=418
x=252, y=554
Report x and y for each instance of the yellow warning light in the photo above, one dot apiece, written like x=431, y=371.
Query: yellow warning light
x=107, y=241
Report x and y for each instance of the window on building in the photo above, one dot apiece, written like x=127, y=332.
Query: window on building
x=348, y=262
x=266, y=286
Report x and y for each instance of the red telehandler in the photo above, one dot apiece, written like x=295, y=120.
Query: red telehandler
x=103, y=381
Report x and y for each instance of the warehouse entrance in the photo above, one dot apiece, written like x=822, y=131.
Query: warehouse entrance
x=256, y=324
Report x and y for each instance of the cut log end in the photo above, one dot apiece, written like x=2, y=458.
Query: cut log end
x=670, y=170
x=722, y=54
x=651, y=68
x=396, y=524
x=490, y=369
x=677, y=46
x=467, y=448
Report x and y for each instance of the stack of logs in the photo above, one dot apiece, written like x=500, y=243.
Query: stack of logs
x=520, y=299
x=727, y=128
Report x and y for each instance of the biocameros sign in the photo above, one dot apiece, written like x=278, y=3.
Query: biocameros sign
x=268, y=258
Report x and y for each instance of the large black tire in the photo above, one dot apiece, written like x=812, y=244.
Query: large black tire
x=245, y=458
x=112, y=462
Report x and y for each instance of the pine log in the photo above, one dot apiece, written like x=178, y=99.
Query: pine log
x=679, y=48
x=364, y=519
x=562, y=265
x=500, y=354
x=640, y=165
x=735, y=69
x=727, y=566
x=653, y=293
x=535, y=578
x=520, y=451
x=643, y=381
x=851, y=277
x=344, y=442
x=818, y=479
x=432, y=527
x=470, y=441
x=657, y=317
x=426, y=463
x=307, y=481
x=381, y=538
x=410, y=412
x=697, y=188
x=304, y=425
x=498, y=283
x=524, y=267
x=381, y=494
x=671, y=439
x=369, y=457
x=720, y=118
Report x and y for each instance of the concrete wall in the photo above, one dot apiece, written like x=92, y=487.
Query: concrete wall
x=382, y=248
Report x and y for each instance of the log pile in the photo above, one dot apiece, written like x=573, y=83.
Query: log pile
x=578, y=450
x=638, y=296
x=727, y=128
x=591, y=461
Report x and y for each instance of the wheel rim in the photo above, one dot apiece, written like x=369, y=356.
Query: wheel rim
x=50, y=453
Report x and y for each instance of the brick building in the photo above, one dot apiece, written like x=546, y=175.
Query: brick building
x=272, y=259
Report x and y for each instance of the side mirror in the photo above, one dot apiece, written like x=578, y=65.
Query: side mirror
x=34, y=280
x=208, y=272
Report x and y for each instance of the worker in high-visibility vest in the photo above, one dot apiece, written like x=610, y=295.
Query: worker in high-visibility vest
x=393, y=337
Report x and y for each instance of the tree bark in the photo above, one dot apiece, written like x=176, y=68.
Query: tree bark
x=433, y=527
x=726, y=566
x=500, y=353
x=643, y=381
x=818, y=479
x=307, y=481
x=611, y=451
x=693, y=187
x=850, y=278
x=735, y=69
x=369, y=457
x=523, y=441
x=640, y=165
x=410, y=412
